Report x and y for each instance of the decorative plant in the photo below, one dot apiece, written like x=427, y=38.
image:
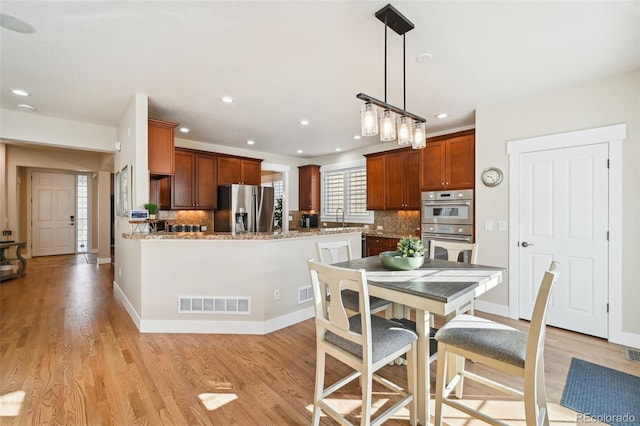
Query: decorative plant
x=411, y=247
x=152, y=208
x=277, y=214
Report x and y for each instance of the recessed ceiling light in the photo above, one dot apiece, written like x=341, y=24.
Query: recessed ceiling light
x=357, y=136
x=424, y=58
x=184, y=129
x=14, y=24
x=441, y=115
x=226, y=99
x=304, y=122
x=299, y=151
x=338, y=149
x=250, y=142
x=26, y=107
x=19, y=92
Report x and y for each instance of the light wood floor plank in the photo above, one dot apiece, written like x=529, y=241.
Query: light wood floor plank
x=72, y=348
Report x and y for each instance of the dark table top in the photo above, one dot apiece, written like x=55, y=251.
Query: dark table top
x=439, y=280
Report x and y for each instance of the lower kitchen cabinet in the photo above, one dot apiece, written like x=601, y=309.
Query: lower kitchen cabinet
x=376, y=245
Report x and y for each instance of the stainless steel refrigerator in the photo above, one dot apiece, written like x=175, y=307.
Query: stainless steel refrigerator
x=244, y=208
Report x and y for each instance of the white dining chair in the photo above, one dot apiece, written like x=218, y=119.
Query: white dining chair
x=364, y=342
x=499, y=346
x=340, y=251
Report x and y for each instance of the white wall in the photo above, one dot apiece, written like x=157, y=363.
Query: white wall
x=604, y=102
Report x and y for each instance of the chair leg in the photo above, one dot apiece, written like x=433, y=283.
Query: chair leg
x=458, y=364
x=441, y=381
x=367, y=389
x=535, y=401
x=320, y=366
x=412, y=388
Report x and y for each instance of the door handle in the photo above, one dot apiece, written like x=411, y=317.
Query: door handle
x=526, y=244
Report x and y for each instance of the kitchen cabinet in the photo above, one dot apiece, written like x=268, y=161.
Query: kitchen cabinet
x=402, y=183
x=375, y=182
x=448, y=162
x=393, y=180
x=376, y=245
x=161, y=147
x=160, y=191
x=242, y=170
x=309, y=187
x=194, y=182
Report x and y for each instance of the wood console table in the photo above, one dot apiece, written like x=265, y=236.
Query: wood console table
x=4, y=261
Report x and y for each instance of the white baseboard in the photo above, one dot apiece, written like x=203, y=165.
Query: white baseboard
x=103, y=260
x=213, y=327
x=630, y=340
x=492, y=308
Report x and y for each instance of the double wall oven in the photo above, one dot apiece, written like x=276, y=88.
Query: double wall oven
x=447, y=215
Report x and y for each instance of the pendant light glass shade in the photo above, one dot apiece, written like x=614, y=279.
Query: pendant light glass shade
x=368, y=120
x=387, y=126
x=405, y=130
x=419, y=137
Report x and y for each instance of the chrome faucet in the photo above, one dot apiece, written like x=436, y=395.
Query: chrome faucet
x=340, y=208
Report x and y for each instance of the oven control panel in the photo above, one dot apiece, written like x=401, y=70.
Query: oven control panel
x=447, y=229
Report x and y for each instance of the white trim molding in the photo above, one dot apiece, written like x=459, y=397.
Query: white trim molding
x=613, y=136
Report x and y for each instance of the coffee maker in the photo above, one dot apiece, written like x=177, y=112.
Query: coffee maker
x=309, y=221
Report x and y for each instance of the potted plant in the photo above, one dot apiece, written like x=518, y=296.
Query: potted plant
x=152, y=208
x=409, y=254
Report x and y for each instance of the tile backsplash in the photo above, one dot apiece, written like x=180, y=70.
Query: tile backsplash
x=397, y=222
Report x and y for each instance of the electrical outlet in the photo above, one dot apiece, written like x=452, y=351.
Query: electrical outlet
x=276, y=294
x=379, y=227
x=6, y=232
x=502, y=225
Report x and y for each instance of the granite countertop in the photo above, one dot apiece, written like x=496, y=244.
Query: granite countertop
x=163, y=235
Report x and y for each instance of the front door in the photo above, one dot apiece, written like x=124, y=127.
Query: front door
x=53, y=213
x=563, y=207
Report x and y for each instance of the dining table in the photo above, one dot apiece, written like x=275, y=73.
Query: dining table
x=438, y=287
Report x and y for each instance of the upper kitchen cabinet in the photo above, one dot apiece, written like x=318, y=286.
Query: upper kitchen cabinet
x=448, y=162
x=194, y=183
x=309, y=187
x=393, y=180
x=160, y=148
x=375, y=182
x=241, y=170
x=402, y=183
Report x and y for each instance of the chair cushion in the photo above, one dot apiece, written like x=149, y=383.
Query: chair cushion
x=351, y=301
x=386, y=337
x=485, y=337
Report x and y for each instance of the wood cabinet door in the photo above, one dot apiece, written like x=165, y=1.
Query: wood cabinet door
x=433, y=166
x=229, y=170
x=160, y=192
x=160, y=147
x=309, y=187
x=182, y=190
x=251, y=172
x=206, y=188
x=460, y=162
x=412, y=180
x=376, y=183
x=376, y=245
x=394, y=165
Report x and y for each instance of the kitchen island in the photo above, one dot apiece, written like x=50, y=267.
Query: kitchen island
x=220, y=282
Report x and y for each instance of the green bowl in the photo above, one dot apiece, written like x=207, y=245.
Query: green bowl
x=393, y=260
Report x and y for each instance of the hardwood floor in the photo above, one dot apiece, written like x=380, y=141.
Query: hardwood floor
x=70, y=354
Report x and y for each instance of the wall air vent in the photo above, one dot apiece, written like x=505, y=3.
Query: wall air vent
x=305, y=294
x=214, y=305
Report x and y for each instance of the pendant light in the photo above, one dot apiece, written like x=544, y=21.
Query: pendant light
x=410, y=127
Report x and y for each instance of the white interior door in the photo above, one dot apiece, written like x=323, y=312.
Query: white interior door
x=563, y=216
x=53, y=213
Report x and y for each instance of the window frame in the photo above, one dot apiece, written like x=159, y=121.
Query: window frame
x=337, y=218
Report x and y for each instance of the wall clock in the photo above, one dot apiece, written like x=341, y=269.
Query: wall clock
x=492, y=176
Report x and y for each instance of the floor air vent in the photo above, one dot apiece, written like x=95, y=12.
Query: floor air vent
x=214, y=305
x=305, y=294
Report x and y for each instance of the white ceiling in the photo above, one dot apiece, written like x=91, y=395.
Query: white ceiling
x=284, y=61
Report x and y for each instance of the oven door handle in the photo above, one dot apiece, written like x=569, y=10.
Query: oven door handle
x=465, y=238
x=447, y=203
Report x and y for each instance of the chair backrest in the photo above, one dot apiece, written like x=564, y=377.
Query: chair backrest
x=332, y=279
x=334, y=251
x=535, y=341
x=454, y=249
